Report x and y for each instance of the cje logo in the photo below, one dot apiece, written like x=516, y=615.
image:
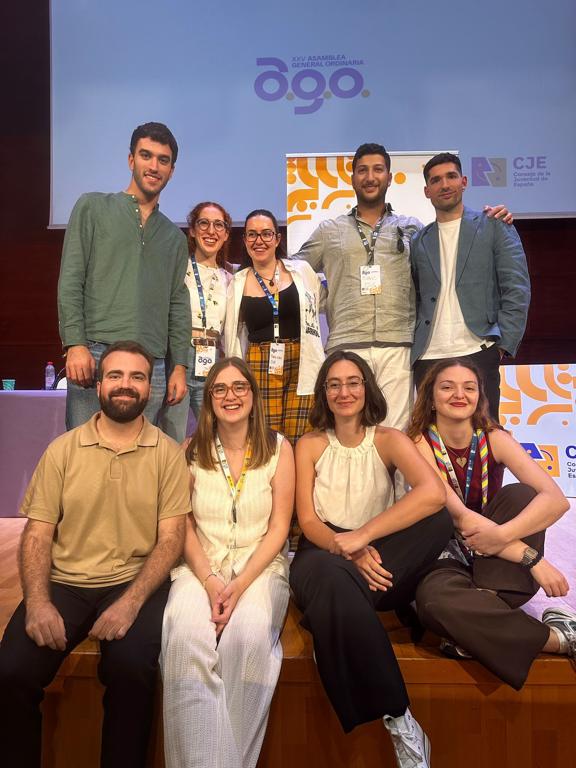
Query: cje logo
x=309, y=84
x=544, y=455
x=488, y=171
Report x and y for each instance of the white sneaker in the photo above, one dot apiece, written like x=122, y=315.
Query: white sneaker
x=411, y=744
x=563, y=620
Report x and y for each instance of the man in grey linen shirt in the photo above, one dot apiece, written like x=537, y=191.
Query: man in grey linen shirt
x=371, y=305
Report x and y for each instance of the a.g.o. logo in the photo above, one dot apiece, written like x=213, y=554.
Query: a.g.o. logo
x=309, y=84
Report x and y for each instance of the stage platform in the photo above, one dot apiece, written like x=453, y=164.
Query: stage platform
x=472, y=718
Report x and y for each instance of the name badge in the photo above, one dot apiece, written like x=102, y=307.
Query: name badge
x=204, y=359
x=276, y=360
x=370, y=283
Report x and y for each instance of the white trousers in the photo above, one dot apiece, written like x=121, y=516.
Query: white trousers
x=217, y=697
x=391, y=367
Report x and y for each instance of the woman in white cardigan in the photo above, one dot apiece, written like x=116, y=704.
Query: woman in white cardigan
x=272, y=319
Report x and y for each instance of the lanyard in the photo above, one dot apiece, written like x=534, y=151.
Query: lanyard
x=273, y=299
x=369, y=246
x=235, y=488
x=478, y=444
x=213, y=279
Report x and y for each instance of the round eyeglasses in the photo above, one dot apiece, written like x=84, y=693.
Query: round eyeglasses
x=239, y=388
x=204, y=225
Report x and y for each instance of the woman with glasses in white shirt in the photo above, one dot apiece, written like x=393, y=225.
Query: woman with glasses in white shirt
x=361, y=550
x=207, y=278
x=273, y=319
x=221, y=652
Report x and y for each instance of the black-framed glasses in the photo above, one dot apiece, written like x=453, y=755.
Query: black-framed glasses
x=239, y=388
x=267, y=235
x=204, y=225
x=334, y=386
x=400, y=244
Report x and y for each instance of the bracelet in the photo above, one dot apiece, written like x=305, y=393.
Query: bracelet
x=536, y=560
x=212, y=573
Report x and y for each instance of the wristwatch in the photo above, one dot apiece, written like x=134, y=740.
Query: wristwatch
x=530, y=557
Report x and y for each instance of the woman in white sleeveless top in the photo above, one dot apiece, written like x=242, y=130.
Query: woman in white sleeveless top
x=221, y=652
x=361, y=551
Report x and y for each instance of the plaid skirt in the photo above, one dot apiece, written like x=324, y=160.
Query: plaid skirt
x=285, y=411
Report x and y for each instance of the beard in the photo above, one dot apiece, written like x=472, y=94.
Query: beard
x=123, y=411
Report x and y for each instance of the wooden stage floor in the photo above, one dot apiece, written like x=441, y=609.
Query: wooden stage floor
x=471, y=717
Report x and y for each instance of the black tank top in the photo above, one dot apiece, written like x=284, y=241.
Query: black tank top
x=256, y=311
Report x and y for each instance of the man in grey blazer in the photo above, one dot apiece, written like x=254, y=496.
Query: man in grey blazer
x=471, y=279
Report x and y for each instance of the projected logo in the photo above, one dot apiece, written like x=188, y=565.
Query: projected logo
x=544, y=455
x=314, y=80
x=488, y=171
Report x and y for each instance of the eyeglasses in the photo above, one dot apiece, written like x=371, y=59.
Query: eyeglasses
x=400, y=243
x=204, y=225
x=239, y=388
x=267, y=235
x=334, y=387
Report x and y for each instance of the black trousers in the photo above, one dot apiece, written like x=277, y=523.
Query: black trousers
x=128, y=669
x=355, y=659
x=453, y=602
x=488, y=360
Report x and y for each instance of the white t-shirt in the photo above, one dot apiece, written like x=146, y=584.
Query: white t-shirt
x=449, y=335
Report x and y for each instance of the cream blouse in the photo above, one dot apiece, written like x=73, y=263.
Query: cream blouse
x=352, y=485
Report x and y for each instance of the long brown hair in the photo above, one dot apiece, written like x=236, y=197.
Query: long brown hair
x=423, y=414
x=261, y=437
x=192, y=218
x=375, y=408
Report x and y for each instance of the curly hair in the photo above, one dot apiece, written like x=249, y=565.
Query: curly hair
x=192, y=218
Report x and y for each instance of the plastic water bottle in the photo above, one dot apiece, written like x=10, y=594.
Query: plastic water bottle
x=49, y=375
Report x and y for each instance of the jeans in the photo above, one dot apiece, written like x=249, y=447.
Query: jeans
x=82, y=402
x=195, y=384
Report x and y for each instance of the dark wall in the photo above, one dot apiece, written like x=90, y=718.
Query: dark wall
x=30, y=253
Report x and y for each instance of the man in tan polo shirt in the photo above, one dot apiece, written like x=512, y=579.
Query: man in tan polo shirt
x=106, y=512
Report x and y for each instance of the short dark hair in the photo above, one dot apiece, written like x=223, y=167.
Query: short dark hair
x=443, y=157
x=157, y=132
x=126, y=346
x=370, y=149
x=375, y=408
x=245, y=260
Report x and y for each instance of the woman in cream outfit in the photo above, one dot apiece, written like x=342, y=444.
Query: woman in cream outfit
x=221, y=653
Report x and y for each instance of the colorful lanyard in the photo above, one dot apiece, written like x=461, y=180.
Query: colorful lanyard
x=369, y=246
x=478, y=444
x=200, y=288
x=235, y=488
x=273, y=299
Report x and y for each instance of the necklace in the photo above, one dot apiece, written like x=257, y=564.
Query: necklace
x=460, y=455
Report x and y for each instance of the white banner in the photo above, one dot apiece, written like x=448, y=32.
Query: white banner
x=320, y=187
x=538, y=406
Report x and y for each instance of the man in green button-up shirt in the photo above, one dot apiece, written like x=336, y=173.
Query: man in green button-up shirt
x=122, y=277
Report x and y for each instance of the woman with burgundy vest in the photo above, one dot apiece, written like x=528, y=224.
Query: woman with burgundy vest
x=495, y=562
